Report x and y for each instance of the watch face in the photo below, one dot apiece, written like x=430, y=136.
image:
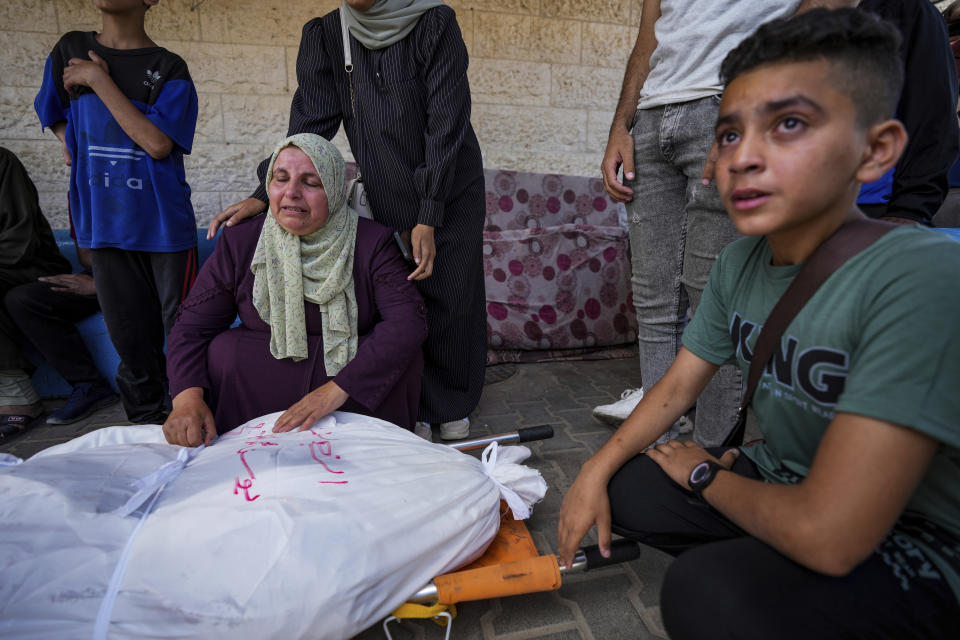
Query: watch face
x=700, y=472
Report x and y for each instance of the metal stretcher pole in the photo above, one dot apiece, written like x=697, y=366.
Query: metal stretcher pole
x=526, y=434
x=531, y=575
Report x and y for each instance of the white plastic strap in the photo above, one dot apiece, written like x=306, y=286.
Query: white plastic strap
x=148, y=484
x=152, y=484
x=517, y=504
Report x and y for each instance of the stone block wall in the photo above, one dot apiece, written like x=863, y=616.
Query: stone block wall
x=545, y=77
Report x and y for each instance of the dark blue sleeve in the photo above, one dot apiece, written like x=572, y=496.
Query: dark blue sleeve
x=175, y=112
x=49, y=103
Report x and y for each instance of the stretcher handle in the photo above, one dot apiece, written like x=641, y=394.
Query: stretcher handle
x=620, y=551
x=532, y=434
x=532, y=575
x=526, y=434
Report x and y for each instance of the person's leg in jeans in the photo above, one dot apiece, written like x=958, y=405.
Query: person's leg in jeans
x=677, y=228
x=657, y=233
x=708, y=230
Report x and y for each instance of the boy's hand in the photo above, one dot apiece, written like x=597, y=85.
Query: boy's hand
x=84, y=73
x=677, y=459
x=585, y=505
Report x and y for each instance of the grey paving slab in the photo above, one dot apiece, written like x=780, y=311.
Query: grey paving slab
x=610, y=618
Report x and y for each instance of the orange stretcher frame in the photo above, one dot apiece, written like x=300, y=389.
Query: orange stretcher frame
x=511, y=564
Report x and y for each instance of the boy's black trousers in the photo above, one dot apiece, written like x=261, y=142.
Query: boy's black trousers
x=139, y=294
x=727, y=584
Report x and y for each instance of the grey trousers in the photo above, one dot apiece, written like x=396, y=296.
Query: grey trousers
x=677, y=229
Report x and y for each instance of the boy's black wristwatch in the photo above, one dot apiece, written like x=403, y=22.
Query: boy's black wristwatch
x=702, y=475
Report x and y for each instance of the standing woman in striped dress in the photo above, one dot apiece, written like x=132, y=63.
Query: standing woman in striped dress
x=406, y=111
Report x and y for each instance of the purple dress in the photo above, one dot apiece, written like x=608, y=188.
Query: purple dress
x=243, y=380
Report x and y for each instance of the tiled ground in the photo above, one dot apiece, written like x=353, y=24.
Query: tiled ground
x=607, y=604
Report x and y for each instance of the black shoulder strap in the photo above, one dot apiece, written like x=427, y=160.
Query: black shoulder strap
x=846, y=242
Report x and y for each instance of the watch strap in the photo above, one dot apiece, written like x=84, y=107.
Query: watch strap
x=699, y=487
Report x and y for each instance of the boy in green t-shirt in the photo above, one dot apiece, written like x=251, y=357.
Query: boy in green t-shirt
x=845, y=521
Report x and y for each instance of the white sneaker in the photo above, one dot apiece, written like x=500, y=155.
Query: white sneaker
x=684, y=425
x=456, y=430
x=617, y=412
x=423, y=430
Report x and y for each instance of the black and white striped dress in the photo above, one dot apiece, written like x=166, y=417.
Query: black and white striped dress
x=410, y=133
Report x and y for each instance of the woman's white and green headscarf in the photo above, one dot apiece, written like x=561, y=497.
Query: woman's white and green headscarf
x=386, y=22
x=317, y=267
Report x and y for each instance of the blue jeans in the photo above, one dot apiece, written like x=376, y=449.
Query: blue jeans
x=677, y=229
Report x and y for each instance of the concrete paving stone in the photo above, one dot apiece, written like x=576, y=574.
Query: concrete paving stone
x=532, y=611
x=561, y=439
x=543, y=528
x=601, y=597
x=593, y=440
x=567, y=464
x=560, y=401
x=503, y=422
x=650, y=568
x=582, y=420
x=531, y=412
x=556, y=487
x=491, y=405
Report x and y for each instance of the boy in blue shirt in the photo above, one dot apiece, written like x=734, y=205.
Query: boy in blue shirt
x=845, y=521
x=125, y=111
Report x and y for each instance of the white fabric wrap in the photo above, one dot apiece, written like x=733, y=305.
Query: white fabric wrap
x=520, y=487
x=313, y=534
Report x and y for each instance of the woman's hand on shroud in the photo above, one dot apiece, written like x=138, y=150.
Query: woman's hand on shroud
x=424, y=251
x=190, y=424
x=325, y=399
x=234, y=214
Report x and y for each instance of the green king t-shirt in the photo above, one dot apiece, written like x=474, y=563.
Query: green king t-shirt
x=880, y=338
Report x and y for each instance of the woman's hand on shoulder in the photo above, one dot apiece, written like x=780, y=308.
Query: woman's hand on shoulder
x=585, y=505
x=325, y=399
x=235, y=213
x=424, y=251
x=190, y=424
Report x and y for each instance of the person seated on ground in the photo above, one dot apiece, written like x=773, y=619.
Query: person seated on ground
x=45, y=312
x=328, y=318
x=845, y=521
x=28, y=252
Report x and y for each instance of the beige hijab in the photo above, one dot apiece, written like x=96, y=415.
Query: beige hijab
x=318, y=267
x=386, y=22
